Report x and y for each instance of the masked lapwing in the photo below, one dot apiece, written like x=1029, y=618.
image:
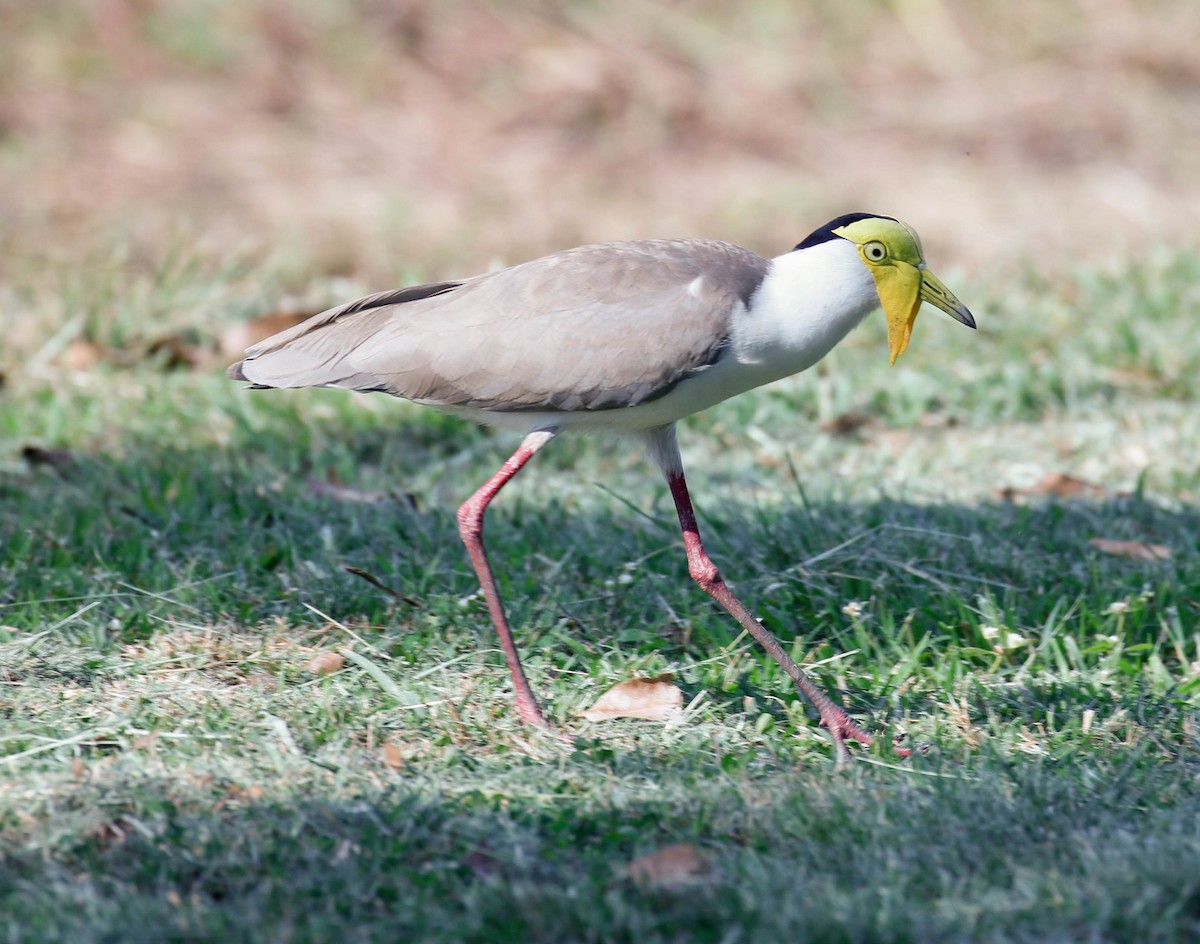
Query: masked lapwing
x=624, y=336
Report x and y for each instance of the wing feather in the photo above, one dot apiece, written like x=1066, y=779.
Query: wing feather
x=592, y=328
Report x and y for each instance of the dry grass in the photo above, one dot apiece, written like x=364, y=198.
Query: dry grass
x=387, y=139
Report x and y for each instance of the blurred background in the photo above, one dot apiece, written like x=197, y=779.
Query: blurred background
x=391, y=139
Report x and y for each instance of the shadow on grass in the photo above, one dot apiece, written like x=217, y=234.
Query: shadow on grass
x=253, y=531
x=249, y=531
x=106, y=550
x=113, y=549
x=1031, y=850
x=264, y=501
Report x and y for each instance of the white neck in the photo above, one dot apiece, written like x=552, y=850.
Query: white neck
x=807, y=303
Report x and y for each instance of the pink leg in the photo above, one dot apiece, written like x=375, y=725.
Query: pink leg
x=705, y=573
x=470, y=526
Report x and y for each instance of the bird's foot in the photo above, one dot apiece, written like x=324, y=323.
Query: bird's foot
x=842, y=727
x=530, y=713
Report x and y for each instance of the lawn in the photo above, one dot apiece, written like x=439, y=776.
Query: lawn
x=214, y=728
x=177, y=760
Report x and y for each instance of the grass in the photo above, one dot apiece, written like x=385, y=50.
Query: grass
x=173, y=549
x=449, y=135
x=173, y=557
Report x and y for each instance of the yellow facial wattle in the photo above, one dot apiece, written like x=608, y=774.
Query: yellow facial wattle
x=891, y=250
x=899, y=288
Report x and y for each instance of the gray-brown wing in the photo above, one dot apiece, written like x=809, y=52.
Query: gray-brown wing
x=591, y=328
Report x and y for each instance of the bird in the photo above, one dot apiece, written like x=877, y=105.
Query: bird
x=628, y=337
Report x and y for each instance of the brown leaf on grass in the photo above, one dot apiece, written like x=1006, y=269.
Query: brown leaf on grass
x=651, y=699
x=669, y=867
x=58, y=460
x=168, y=351
x=253, y=792
x=1062, y=485
x=176, y=351
x=846, y=424
x=235, y=339
x=393, y=755
x=1058, y=485
x=1134, y=549
x=325, y=663
x=81, y=355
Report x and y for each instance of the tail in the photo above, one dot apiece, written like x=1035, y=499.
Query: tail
x=235, y=372
x=305, y=355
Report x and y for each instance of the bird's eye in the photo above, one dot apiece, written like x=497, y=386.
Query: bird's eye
x=875, y=251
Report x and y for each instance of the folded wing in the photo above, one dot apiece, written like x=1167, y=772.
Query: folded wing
x=592, y=328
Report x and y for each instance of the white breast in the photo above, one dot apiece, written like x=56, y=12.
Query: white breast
x=806, y=305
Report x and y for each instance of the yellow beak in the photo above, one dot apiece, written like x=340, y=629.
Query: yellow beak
x=902, y=288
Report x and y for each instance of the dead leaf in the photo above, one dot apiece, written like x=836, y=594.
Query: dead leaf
x=1057, y=485
x=651, y=699
x=1134, y=549
x=59, y=460
x=325, y=663
x=671, y=866
x=846, y=424
x=238, y=337
x=176, y=351
x=82, y=355
x=1062, y=485
x=253, y=792
x=393, y=755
